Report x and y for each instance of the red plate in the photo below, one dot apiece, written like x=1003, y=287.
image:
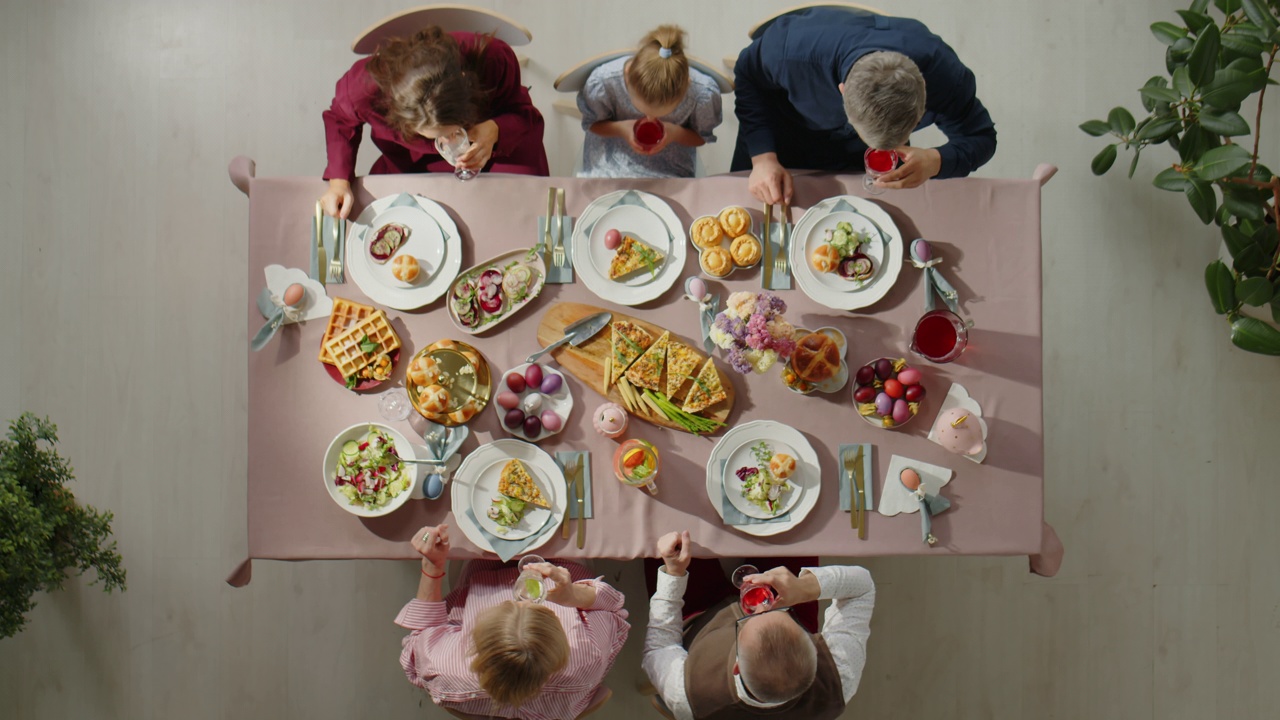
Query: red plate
x=363, y=385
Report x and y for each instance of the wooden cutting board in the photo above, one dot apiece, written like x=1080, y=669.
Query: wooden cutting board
x=587, y=361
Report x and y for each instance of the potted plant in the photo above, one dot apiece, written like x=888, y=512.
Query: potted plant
x=1215, y=60
x=44, y=532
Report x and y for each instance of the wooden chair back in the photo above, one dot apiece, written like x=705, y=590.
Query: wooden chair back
x=453, y=18
x=759, y=27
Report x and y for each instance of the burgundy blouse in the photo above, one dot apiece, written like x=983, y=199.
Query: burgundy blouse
x=520, y=127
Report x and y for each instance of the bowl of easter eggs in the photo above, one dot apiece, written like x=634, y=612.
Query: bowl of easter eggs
x=888, y=392
x=533, y=402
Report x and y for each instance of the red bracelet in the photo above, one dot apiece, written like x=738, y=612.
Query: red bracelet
x=433, y=577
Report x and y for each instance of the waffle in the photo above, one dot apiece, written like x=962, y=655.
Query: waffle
x=346, y=313
x=345, y=349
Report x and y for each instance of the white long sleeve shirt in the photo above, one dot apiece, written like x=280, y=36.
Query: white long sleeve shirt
x=845, y=628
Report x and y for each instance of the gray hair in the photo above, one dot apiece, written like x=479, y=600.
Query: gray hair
x=884, y=98
x=779, y=662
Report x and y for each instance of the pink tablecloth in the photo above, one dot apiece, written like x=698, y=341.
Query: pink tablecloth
x=988, y=231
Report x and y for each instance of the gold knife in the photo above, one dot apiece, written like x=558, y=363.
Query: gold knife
x=564, y=524
x=322, y=267
x=546, y=232
x=862, y=498
x=582, y=507
x=768, y=249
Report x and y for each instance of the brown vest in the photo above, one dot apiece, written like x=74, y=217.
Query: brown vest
x=712, y=691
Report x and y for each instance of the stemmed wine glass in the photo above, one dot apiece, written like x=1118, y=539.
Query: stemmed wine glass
x=877, y=163
x=451, y=147
x=755, y=599
x=531, y=585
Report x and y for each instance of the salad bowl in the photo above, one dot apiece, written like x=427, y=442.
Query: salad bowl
x=357, y=452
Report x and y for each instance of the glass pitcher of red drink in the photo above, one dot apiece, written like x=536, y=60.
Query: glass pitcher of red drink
x=940, y=336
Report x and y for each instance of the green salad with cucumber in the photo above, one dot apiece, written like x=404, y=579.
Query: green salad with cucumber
x=370, y=472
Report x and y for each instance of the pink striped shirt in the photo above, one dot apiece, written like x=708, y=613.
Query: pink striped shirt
x=436, y=657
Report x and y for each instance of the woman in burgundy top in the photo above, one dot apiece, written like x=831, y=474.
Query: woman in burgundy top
x=412, y=91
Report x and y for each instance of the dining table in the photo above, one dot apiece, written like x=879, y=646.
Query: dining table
x=986, y=231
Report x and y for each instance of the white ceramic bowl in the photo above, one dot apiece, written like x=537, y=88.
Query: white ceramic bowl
x=330, y=469
x=560, y=401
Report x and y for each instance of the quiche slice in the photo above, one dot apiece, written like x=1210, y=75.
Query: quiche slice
x=647, y=371
x=682, y=362
x=633, y=255
x=706, y=390
x=629, y=342
x=516, y=482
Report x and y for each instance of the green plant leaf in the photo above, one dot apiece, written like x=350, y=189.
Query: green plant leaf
x=1199, y=6
x=1103, y=161
x=1221, y=286
x=1120, y=120
x=1203, y=62
x=1224, y=122
x=1182, y=82
x=1227, y=6
x=1157, y=131
x=1246, y=256
x=1196, y=141
x=1221, y=162
x=1255, y=291
x=1259, y=14
x=1172, y=180
x=1255, y=336
x=1096, y=128
x=1176, y=54
x=1243, y=202
x=1196, y=21
x=1229, y=88
x=1133, y=165
x=1167, y=33
x=1158, y=94
x=1203, y=201
x=1275, y=306
x=1242, y=44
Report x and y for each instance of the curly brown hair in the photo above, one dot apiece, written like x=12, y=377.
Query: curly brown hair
x=427, y=81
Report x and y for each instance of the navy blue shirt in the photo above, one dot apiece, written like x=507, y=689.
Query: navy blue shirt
x=788, y=99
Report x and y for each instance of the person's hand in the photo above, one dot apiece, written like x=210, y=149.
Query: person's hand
x=432, y=543
x=483, y=137
x=674, y=548
x=337, y=200
x=791, y=590
x=563, y=591
x=769, y=181
x=918, y=165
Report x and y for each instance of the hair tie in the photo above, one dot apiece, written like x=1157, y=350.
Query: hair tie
x=664, y=52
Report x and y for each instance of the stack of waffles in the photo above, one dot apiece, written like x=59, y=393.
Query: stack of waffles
x=349, y=326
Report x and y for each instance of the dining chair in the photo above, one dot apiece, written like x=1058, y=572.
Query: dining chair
x=573, y=79
x=759, y=27
x=601, y=697
x=457, y=18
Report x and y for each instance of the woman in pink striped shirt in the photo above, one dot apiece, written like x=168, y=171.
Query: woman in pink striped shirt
x=480, y=652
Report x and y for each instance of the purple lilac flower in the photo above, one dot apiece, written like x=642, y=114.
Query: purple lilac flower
x=758, y=337
x=738, y=360
x=771, y=305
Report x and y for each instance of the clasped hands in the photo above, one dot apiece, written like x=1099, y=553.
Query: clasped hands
x=674, y=549
x=770, y=182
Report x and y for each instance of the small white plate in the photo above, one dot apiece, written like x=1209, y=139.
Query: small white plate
x=873, y=249
x=534, y=458
x=425, y=243
x=621, y=293
x=395, y=294
x=744, y=457
x=872, y=292
x=560, y=401
x=752, y=432
x=485, y=490
x=640, y=223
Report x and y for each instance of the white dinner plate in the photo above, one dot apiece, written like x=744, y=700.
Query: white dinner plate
x=744, y=457
x=426, y=243
x=642, y=224
x=464, y=479
x=874, y=248
x=598, y=282
x=772, y=431
x=485, y=489
x=886, y=275
x=395, y=294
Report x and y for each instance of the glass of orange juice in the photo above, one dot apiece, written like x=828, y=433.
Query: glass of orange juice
x=636, y=464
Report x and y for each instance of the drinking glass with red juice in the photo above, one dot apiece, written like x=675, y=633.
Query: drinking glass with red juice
x=649, y=132
x=940, y=336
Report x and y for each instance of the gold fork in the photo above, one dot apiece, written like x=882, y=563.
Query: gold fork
x=335, y=263
x=557, y=255
x=780, y=265
x=570, y=472
x=850, y=464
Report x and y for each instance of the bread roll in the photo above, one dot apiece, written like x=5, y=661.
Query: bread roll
x=816, y=358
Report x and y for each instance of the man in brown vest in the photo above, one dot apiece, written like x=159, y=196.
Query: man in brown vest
x=724, y=664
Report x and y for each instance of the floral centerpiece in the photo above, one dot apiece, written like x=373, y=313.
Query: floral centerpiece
x=753, y=332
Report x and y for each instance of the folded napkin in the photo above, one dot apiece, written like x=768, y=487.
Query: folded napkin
x=559, y=275
x=896, y=498
x=780, y=280
x=734, y=516
x=503, y=548
x=564, y=457
x=868, y=483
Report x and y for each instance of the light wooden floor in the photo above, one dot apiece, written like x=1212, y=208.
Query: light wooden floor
x=123, y=287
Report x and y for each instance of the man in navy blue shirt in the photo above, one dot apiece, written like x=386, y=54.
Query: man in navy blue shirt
x=818, y=87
